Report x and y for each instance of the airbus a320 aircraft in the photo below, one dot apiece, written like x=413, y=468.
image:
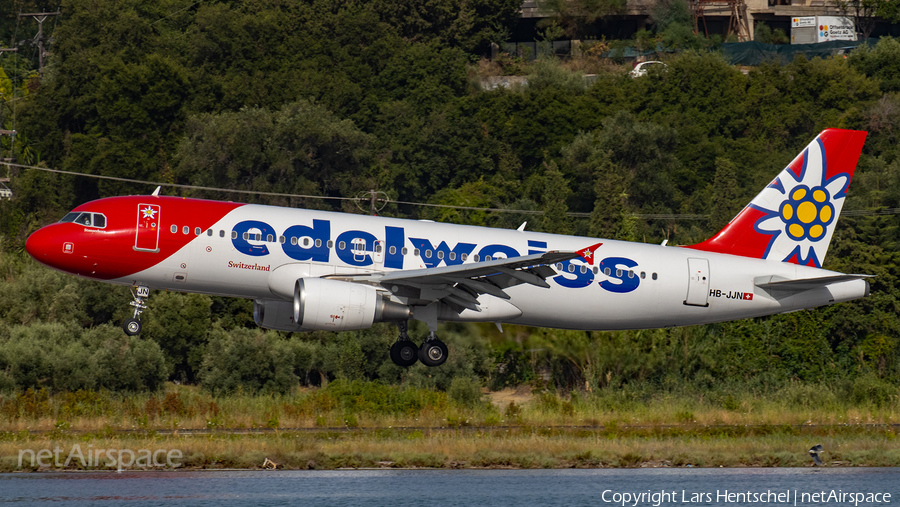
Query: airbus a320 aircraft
x=315, y=270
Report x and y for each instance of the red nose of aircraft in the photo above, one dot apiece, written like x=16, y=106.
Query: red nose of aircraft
x=36, y=244
x=45, y=247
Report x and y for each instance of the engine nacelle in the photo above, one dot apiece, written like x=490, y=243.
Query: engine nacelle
x=333, y=305
x=328, y=305
x=277, y=315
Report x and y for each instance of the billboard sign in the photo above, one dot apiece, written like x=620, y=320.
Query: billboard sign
x=835, y=28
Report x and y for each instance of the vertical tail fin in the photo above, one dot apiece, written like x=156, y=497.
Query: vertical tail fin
x=793, y=218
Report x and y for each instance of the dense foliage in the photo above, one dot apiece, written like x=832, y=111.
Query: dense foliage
x=334, y=98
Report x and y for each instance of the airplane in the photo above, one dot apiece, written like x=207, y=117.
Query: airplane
x=315, y=270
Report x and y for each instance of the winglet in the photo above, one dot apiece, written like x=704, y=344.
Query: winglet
x=588, y=253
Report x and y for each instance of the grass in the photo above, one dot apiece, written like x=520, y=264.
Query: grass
x=484, y=448
x=365, y=424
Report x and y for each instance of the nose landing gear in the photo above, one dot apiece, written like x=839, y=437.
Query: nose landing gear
x=404, y=352
x=133, y=325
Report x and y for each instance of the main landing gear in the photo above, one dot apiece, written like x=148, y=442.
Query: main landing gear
x=133, y=326
x=404, y=352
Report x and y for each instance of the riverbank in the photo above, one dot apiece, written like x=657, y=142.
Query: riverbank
x=502, y=447
x=372, y=425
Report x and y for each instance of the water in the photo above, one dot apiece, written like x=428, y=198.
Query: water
x=458, y=487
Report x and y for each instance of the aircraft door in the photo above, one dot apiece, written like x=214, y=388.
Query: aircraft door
x=698, y=283
x=358, y=249
x=378, y=253
x=146, y=237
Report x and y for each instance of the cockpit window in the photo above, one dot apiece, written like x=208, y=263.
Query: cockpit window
x=86, y=219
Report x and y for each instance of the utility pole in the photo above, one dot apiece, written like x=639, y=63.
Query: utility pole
x=40, y=17
x=6, y=192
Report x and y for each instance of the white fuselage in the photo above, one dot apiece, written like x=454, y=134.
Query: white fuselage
x=629, y=286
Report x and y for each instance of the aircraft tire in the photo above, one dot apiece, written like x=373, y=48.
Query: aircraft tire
x=433, y=353
x=404, y=353
x=132, y=327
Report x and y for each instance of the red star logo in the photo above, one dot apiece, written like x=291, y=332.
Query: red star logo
x=588, y=253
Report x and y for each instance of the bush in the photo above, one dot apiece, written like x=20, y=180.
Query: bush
x=870, y=389
x=63, y=357
x=466, y=391
x=253, y=361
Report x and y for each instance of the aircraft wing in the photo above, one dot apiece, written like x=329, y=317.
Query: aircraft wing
x=777, y=283
x=460, y=285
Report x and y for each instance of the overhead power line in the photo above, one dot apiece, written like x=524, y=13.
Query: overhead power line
x=647, y=216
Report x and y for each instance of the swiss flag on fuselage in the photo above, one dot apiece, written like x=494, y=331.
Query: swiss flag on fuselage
x=748, y=296
x=588, y=253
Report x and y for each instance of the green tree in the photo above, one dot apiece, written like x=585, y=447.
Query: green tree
x=555, y=192
x=724, y=202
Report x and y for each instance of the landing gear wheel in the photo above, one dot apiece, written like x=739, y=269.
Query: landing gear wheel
x=433, y=352
x=132, y=327
x=404, y=353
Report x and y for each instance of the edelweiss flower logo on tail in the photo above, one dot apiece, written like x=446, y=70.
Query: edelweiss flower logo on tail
x=793, y=218
x=800, y=208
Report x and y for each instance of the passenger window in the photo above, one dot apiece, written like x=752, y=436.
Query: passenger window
x=619, y=273
x=654, y=276
x=393, y=250
x=221, y=233
x=596, y=270
x=196, y=231
x=571, y=268
x=330, y=244
x=476, y=258
x=270, y=238
x=453, y=256
x=281, y=239
x=606, y=271
x=185, y=230
x=427, y=254
x=377, y=248
x=318, y=243
x=259, y=237
x=630, y=273
x=293, y=240
x=99, y=220
x=305, y=242
x=583, y=269
x=209, y=232
x=404, y=251
x=463, y=257
x=246, y=236
x=416, y=252
x=440, y=255
x=174, y=229
x=487, y=257
x=342, y=245
x=234, y=235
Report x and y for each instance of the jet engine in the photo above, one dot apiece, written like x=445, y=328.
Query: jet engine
x=328, y=305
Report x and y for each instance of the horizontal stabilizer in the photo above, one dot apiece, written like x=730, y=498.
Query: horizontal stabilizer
x=779, y=283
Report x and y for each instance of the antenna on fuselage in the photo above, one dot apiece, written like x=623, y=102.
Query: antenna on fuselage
x=522, y=227
x=156, y=192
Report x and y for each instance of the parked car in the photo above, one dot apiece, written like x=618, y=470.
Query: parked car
x=641, y=68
